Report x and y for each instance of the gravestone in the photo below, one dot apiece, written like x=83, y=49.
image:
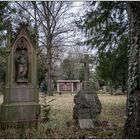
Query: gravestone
x=87, y=104
x=104, y=89
x=21, y=97
x=119, y=91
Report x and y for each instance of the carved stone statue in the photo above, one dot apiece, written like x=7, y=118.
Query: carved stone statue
x=21, y=65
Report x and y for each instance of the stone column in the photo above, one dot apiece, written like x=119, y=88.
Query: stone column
x=72, y=86
x=77, y=89
x=86, y=68
x=58, y=87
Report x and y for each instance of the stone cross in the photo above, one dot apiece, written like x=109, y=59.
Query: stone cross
x=86, y=62
x=87, y=104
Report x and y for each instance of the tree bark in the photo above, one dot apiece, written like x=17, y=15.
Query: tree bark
x=132, y=124
x=49, y=47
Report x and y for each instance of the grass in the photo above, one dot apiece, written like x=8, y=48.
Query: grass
x=113, y=109
x=113, y=114
x=61, y=124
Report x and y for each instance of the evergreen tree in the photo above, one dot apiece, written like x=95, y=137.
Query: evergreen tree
x=3, y=36
x=106, y=29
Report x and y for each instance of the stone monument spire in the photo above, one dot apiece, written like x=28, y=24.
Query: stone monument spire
x=21, y=97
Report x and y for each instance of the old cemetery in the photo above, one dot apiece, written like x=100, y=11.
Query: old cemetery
x=74, y=110
x=67, y=72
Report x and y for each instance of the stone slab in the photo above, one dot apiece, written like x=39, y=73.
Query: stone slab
x=19, y=111
x=20, y=94
x=90, y=97
x=84, y=113
x=86, y=123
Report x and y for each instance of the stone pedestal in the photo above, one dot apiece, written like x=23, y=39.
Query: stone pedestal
x=21, y=93
x=21, y=96
x=86, y=123
x=22, y=111
x=20, y=104
x=87, y=106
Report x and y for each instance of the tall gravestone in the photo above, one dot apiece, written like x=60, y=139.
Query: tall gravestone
x=87, y=104
x=21, y=97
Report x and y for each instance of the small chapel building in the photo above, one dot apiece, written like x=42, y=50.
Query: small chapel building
x=68, y=86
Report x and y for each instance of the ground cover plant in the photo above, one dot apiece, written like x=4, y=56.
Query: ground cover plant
x=61, y=123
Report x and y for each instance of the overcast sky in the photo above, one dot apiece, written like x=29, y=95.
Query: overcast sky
x=78, y=10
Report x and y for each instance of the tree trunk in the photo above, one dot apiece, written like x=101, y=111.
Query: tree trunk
x=132, y=124
x=46, y=8
x=124, y=83
x=49, y=72
x=49, y=51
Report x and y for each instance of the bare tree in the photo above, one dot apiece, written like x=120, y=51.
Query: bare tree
x=52, y=23
x=53, y=16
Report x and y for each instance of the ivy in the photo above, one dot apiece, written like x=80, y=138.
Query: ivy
x=134, y=74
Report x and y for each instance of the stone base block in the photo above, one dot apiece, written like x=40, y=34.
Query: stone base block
x=86, y=123
x=21, y=93
x=18, y=112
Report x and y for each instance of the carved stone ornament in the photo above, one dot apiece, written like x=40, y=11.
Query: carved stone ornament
x=21, y=62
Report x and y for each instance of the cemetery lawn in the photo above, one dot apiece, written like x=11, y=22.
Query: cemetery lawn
x=61, y=124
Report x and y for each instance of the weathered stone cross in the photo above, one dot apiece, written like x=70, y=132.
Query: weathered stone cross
x=86, y=62
x=87, y=104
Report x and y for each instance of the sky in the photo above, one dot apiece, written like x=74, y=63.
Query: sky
x=78, y=10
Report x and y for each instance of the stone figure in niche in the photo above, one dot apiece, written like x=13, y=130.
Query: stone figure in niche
x=22, y=63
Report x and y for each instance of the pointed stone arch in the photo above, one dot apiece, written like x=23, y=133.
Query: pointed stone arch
x=21, y=95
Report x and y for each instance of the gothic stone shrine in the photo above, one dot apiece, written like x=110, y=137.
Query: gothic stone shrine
x=21, y=98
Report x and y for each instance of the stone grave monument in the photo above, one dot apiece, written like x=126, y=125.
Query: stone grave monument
x=87, y=104
x=21, y=97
